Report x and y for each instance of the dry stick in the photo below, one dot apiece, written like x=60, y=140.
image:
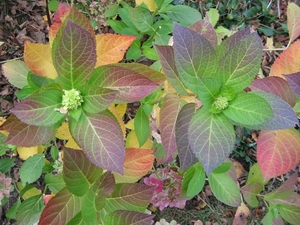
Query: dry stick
x=48, y=13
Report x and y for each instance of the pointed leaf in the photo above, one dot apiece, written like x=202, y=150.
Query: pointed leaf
x=124, y=217
x=241, y=63
x=290, y=213
x=166, y=55
x=293, y=20
x=79, y=172
x=276, y=86
x=101, y=138
x=96, y=99
x=250, y=192
x=168, y=116
x=278, y=151
x=248, y=109
x=294, y=82
x=19, y=133
x=141, y=126
x=111, y=48
x=38, y=57
x=284, y=116
x=211, y=138
x=205, y=28
x=208, y=90
x=287, y=62
x=30, y=210
x=39, y=108
x=32, y=168
x=16, y=72
x=229, y=193
x=186, y=155
x=179, y=14
x=61, y=208
x=194, y=56
x=132, y=86
x=134, y=197
x=74, y=55
x=137, y=163
x=142, y=19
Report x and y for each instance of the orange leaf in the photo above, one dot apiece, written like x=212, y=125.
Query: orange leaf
x=38, y=58
x=137, y=163
x=111, y=48
x=278, y=151
x=287, y=62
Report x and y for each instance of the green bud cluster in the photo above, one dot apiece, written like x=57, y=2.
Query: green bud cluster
x=221, y=103
x=71, y=99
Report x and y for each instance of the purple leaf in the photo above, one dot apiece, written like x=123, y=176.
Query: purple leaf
x=74, y=55
x=194, y=56
x=101, y=138
x=186, y=155
x=294, y=82
x=276, y=86
x=22, y=134
x=124, y=217
x=168, y=116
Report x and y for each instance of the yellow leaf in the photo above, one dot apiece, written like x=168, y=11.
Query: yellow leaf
x=72, y=144
x=121, y=109
x=2, y=120
x=132, y=141
x=30, y=193
x=130, y=124
x=149, y=3
x=26, y=152
x=113, y=110
x=38, y=58
x=63, y=133
x=111, y=48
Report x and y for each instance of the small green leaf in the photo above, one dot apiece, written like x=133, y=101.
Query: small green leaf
x=55, y=182
x=208, y=89
x=213, y=16
x=141, y=126
x=193, y=181
x=134, y=52
x=16, y=72
x=248, y=109
x=12, y=212
x=32, y=168
x=142, y=19
x=6, y=164
x=117, y=25
x=179, y=14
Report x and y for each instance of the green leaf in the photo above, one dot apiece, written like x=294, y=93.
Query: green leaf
x=101, y=138
x=79, y=172
x=134, y=197
x=290, y=213
x=117, y=25
x=55, y=182
x=134, y=52
x=208, y=90
x=30, y=210
x=194, y=56
x=16, y=72
x=96, y=99
x=37, y=82
x=150, y=53
x=248, y=109
x=141, y=126
x=61, y=208
x=250, y=192
x=213, y=15
x=142, y=19
x=32, y=168
x=255, y=175
x=124, y=217
x=124, y=13
x=179, y=14
x=6, y=164
x=211, y=138
x=224, y=188
x=166, y=55
x=39, y=108
x=193, y=181
x=241, y=63
x=12, y=212
x=74, y=55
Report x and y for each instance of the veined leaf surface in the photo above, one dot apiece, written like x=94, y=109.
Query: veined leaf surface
x=142, y=19
x=79, y=172
x=241, y=63
x=168, y=116
x=38, y=57
x=185, y=153
x=132, y=85
x=74, y=55
x=278, y=151
x=276, y=86
x=287, y=62
x=293, y=20
x=16, y=72
x=211, y=138
x=22, y=134
x=290, y=213
x=101, y=139
x=248, y=109
x=294, y=82
x=61, y=208
x=166, y=55
x=111, y=48
x=194, y=56
x=208, y=90
x=125, y=217
x=39, y=108
x=141, y=126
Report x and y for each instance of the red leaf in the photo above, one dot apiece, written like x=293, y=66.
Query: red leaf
x=278, y=151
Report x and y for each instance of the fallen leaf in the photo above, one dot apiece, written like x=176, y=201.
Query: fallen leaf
x=26, y=152
x=241, y=215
